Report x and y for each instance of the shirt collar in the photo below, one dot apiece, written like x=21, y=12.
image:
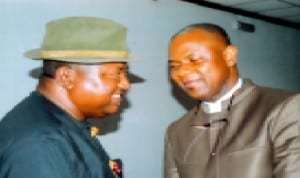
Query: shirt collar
x=216, y=106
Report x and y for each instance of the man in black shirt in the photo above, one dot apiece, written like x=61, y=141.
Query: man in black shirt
x=84, y=75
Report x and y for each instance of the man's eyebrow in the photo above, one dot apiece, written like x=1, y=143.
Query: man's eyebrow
x=125, y=67
x=189, y=56
x=171, y=60
x=186, y=57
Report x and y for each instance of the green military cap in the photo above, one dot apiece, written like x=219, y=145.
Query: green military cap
x=83, y=40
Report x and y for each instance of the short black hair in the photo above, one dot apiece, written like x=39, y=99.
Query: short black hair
x=213, y=28
x=50, y=67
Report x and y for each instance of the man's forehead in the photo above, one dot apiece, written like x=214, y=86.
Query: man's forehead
x=195, y=43
x=198, y=34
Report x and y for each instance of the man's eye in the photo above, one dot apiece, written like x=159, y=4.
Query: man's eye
x=197, y=60
x=114, y=75
x=173, y=66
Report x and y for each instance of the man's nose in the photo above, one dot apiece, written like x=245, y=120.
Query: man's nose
x=124, y=83
x=184, y=69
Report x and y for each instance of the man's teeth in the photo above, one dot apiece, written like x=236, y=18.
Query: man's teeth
x=116, y=96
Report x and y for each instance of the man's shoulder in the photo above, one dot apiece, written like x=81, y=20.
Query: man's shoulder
x=28, y=105
x=27, y=119
x=269, y=95
x=276, y=95
x=277, y=91
x=11, y=132
x=183, y=121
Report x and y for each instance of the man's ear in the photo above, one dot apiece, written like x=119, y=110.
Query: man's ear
x=230, y=54
x=65, y=76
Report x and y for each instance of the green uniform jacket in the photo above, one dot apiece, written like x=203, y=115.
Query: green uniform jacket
x=258, y=138
x=39, y=140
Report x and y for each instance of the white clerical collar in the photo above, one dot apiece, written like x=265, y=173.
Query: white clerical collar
x=216, y=106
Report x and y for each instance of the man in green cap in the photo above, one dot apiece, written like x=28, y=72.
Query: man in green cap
x=84, y=76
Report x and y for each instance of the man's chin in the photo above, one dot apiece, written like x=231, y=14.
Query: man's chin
x=200, y=97
x=113, y=110
x=107, y=112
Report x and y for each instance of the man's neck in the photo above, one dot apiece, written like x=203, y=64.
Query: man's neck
x=216, y=106
x=59, y=96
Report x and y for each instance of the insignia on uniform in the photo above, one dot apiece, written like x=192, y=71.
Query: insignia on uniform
x=116, y=168
x=94, y=131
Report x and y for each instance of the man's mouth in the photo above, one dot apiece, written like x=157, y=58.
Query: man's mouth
x=191, y=83
x=117, y=98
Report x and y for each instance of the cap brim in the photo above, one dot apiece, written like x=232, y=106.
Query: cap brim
x=36, y=55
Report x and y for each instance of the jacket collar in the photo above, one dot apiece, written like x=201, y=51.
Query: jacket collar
x=213, y=107
x=202, y=118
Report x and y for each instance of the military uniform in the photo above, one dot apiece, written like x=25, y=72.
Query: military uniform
x=40, y=140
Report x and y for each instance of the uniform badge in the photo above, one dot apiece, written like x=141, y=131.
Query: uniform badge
x=116, y=168
x=94, y=131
